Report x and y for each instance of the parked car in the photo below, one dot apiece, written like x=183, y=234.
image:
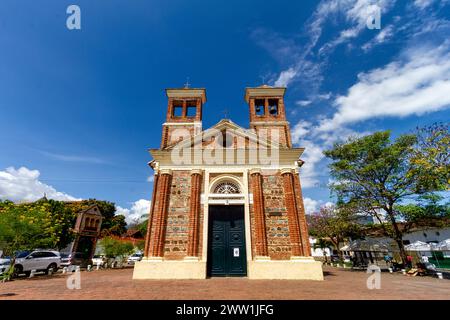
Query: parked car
x=39, y=260
x=134, y=257
x=74, y=259
x=4, y=264
x=336, y=258
x=99, y=260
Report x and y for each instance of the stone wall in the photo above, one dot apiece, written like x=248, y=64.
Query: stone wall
x=177, y=229
x=276, y=218
x=175, y=244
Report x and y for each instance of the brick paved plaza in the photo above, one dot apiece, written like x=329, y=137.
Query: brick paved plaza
x=117, y=284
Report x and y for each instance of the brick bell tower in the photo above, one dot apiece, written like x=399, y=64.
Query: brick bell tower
x=184, y=114
x=267, y=111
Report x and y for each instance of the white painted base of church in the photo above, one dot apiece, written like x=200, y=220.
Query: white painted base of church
x=298, y=268
x=169, y=269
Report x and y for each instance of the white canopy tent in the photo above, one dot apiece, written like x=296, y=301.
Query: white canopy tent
x=419, y=246
x=368, y=245
x=443, y=245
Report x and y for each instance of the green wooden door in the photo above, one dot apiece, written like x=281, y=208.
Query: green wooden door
x=226, y=241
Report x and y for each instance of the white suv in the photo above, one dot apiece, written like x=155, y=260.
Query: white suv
x=39, y=260
x=134, y=258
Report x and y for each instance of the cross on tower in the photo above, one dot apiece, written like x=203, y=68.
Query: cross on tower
x=187, y=84
x=263, y=78
x=225, y=113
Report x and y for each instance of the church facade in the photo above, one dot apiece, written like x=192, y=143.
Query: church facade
x=227, y=201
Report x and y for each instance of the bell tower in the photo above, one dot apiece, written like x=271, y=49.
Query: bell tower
x=184, y=114
x=267, y=112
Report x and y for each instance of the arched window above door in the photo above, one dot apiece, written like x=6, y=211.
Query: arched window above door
x=227, y=187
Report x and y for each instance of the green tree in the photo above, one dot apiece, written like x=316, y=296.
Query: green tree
x=25, y=229
x=115, y=248
x=335, y=224
x=373, y=174
x=142, y=227
x=432, y=156
x=116, y=226
x=111, y=224
x=140, y=245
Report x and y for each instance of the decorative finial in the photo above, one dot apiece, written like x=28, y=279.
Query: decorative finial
x=263, y=78
x=187, y=84
x=225, y=113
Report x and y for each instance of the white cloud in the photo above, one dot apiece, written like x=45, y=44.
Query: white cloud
x=356, y=14
x=23, y=185
x=303, y=103
x=305, y=135
x=312, y=156
x=385, y=34
x=73, y=158
x=150, y=178
x=304, y=67
x=311, y=205
x=300, y=130
x=417, y=83
x=422, y=4
x=285, y=77
x=137, y=213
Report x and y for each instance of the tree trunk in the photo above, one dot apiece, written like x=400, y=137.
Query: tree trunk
x=398, y=238
x=340, y=254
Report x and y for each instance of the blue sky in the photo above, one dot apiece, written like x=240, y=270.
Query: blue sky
x=80, y=108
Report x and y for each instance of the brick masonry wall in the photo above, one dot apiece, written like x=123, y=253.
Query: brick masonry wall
x=175, y=245
x=157, y=186
x=176, y=134
x=276, y=218
x=269, y=130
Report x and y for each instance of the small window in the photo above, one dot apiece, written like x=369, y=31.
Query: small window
x=227, y=140
x=273, y=107
x=425, y=235
x=177, y=108
x=49, y=255
x=259, y=107
x=438, y=233
x=191, y=110
x=37, y=255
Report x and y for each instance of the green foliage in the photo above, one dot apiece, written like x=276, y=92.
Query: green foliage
x=432, y=156
x=48, y=223
x=114, y=248
x=25, y=228
x=115, y=226
x=335, y=224
x=428, y=211
x=140, y=245
x=142, y=227
x=111, y=224
x=372, y=174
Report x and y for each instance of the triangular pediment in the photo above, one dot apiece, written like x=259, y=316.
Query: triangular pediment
x=206, y=137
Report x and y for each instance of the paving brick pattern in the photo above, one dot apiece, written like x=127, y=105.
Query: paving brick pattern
x=118, y=284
